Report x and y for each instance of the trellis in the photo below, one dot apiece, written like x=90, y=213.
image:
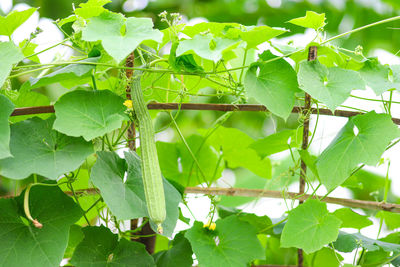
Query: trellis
x=306, y=111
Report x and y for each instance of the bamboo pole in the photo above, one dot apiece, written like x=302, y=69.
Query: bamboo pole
x=199, y=106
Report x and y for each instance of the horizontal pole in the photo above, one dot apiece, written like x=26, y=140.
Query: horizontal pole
x=244, y=192
x=200, y=106
x=258, y=193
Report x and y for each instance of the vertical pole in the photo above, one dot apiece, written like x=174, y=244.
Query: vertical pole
x=312, y=55
x=150, y=241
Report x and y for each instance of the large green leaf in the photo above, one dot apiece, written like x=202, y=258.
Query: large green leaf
x=177, y=164
x=351, y=219
x=37, y=148
x=331, y=86
x=206, y=46
x=310, y=20
x=362, y=140
x=272, y=84
x=310, y=227
x=68, y=73
x=100, y=247
x=125, y=197
x=278, y=142
x=179, y=255
x=7, y=107
x=348, y=242
x=237, y=153
x=232, y=243
x=120, y=36
x=376, y=76
x=9, y=54
x=22, y=244
x=89, y=113
x=13, y=20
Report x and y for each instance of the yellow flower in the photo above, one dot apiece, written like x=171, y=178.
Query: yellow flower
x=210, y=225
x=128, y=104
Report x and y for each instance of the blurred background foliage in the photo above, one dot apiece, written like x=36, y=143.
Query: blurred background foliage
x=342, y=15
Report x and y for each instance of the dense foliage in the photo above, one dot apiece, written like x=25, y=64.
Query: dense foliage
x=76, y=171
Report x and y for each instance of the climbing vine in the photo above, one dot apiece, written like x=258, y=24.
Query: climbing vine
x=69, y=132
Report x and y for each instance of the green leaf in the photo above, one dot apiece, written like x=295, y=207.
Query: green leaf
x=234, y=145
x=362, y=140
x=309, y=160
x=325, y=257
x=376, y=76
x=119, y=194
x=68, y=73
x=91, y=8
x=89, y=113
x=177, y=164
x=37, y=148
x=75, y=237
x=120, y=36
x=331, y=86
x=28, y=49
x=233, y=243
x=215, y=28
x=348, y=242
x=255, y=35
x=392, y=220
x=13, y=20
x=100, y=247
x=10, y=54
x=310, y=227
x=272, y=84
x=261, y=223
x=22, y=244
x=351, y=219
x=278, y=142
x=206, y=46
x=7, y=107
x=311, y=20
x=179, y=255
x=275, y=254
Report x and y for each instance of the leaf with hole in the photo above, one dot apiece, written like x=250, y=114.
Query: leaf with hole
x=272, y=84
x=331, y=86
x=362, y=140
x=119, y=35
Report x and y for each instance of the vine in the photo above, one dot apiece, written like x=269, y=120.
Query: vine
x=68, y=138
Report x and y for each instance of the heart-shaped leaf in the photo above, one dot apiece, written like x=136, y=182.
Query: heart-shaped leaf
x=37, y=148
x=125, y=196
x=23, y=244
x=7, y=107
x=89, y=114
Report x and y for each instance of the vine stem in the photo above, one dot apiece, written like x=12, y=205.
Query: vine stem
x=360, y=29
